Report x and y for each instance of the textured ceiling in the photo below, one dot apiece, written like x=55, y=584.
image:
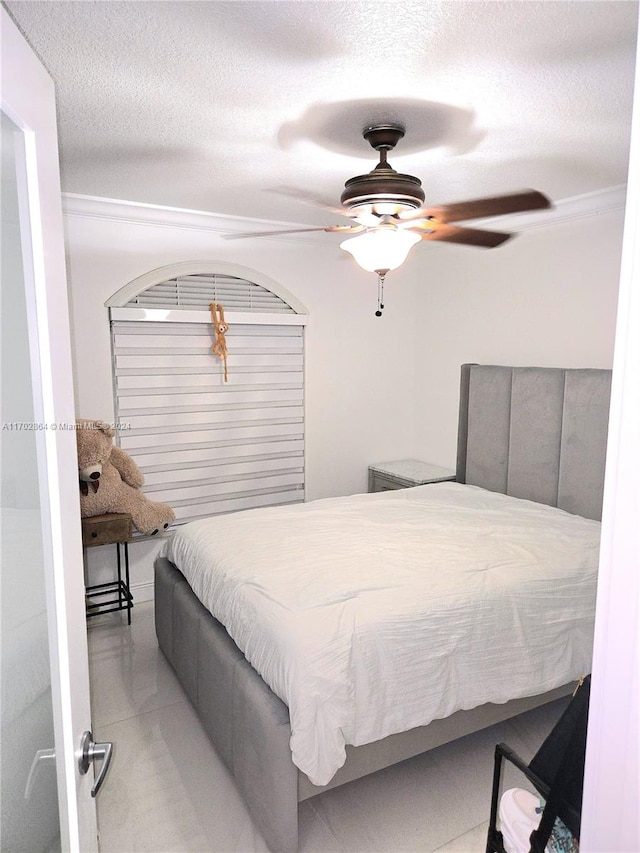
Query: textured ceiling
x=256, y=109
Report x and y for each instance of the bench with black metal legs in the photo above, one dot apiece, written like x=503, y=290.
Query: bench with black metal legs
x=556, y=772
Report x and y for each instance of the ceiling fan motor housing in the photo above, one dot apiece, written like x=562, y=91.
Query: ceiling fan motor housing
x=383, y=185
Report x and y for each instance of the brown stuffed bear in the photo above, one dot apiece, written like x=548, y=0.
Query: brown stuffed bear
x=110, y=480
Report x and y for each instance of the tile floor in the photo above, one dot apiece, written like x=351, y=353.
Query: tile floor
x=168, y=792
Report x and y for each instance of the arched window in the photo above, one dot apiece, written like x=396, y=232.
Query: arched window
x=207, y=446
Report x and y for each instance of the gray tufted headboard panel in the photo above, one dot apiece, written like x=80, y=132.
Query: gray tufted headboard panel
x=538, y=433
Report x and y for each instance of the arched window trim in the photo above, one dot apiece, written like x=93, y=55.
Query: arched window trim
x=138, y=285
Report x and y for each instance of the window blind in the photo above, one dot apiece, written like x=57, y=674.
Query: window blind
x=206, y=446
x=197, y=291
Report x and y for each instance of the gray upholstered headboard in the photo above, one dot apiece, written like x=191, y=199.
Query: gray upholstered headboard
x=538, y=433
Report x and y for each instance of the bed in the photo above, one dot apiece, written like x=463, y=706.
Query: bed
x=530, y=472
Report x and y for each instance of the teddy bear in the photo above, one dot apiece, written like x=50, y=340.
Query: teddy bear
x=110, y=480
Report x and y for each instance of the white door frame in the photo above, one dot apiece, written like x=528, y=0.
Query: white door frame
x=28, y=99
x=610, y=812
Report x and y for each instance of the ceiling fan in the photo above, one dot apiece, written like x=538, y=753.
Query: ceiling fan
x=388, y=213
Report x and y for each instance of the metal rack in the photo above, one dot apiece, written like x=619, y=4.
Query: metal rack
x=110, y=529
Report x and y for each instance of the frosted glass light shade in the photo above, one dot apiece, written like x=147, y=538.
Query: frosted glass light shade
x=381, y=248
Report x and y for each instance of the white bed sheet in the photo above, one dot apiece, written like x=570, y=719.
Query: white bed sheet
x=372, y=614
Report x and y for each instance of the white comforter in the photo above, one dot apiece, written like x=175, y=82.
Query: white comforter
x=372, y=614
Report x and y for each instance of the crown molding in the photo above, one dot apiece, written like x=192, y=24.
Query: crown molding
x=136, y=213
x=91, y=207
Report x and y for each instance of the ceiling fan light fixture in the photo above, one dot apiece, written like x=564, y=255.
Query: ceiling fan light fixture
x=381, y=249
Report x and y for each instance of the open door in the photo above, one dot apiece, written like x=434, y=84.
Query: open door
x=47, y=801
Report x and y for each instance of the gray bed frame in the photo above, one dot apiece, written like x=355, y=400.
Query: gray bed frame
x=534, y=433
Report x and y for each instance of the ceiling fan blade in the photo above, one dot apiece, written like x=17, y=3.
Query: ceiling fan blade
x=480, y=208
x=308, y=198
x=466, y=236
x=346, y=229
x=243, y=234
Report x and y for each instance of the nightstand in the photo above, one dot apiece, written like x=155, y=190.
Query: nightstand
x=110, y=529
x=405, y=473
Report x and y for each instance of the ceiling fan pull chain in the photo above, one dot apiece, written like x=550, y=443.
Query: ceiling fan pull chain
x=380, y=294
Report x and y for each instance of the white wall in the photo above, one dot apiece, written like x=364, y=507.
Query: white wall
x=547, y=298
x=358, y=368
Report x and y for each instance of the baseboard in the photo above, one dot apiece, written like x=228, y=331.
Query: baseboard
x=143, y=591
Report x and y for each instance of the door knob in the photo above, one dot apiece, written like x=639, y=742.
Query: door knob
x=90, y=751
